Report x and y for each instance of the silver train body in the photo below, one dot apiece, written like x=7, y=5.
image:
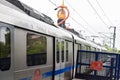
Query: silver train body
x=31, y=49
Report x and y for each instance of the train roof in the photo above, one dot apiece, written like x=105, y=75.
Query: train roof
x=76, y=37
x=19, y=18
x=80, y=40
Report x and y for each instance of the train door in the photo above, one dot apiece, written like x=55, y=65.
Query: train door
x=59, y=59
x=6, y=50
x=76, y=48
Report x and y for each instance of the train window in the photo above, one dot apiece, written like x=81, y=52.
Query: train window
x=80, y=46
x=58, y=47
x=36, y=49
x=66, y=51
x=87, y=47
x=5, y=49
x=62, y=55
x=94, y=49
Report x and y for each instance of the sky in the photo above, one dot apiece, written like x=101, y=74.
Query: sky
x=96, y=18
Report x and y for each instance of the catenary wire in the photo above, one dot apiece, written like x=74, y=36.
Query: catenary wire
x=97, y=13
x=104, y=12
x=80, y=16
x=73, y=19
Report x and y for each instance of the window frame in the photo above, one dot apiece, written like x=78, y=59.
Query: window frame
x=34, y=57
x=67, y=51
x=11, y=41
x=57, y=51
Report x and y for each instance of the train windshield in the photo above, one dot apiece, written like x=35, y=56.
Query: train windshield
x=4, y=48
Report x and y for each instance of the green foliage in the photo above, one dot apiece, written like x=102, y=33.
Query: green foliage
x=4, y=50
x=109, y=49
x=62, y=46
x=36, y=45
x=5, y=46
x=119, y=51
x=58, y=44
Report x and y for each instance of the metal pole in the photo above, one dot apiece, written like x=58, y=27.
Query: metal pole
x=114, y=36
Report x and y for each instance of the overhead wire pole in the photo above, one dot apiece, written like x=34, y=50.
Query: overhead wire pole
x=100, y=16
x=114, y=37
x=114, y=34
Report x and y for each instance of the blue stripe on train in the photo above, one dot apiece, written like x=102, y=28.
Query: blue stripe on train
x=60, y=71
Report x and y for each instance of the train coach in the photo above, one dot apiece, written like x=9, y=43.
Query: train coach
x=33, y=48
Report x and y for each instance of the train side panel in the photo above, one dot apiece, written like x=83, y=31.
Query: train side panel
x=33, y=56
x=6, y=52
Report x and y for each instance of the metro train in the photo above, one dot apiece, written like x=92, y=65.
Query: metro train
x=32, y=47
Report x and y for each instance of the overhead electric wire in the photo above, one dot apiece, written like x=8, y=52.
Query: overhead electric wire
x=52, y=3
x=76, y=21
x=76, y=12
x=97, y=13
x=79, y=15
x=104, y=12
x=72, y=18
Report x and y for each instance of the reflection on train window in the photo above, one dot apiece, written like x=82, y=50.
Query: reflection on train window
x=87, y=48
x=88, y=56
x=66, y=51
x=94, y=49
x=36, y=49
x=62, y=55
x=5, y=49
x=58, y=47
